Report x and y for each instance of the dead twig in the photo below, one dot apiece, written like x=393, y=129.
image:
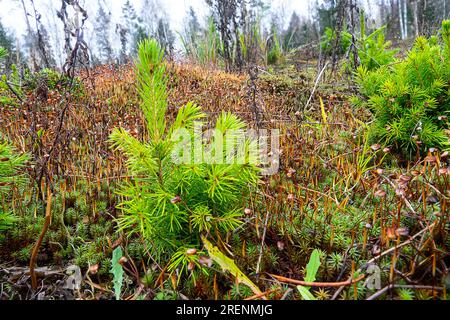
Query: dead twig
x=318, y=284
x=258, y=265
x=48, y=217
x=397, y=286
x=395, y=248
x=315, y=86
x=261, y=295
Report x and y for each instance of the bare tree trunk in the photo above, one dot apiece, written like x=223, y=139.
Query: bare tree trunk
x=382, y=12
x=30, y=34
x=416, y=17
x=356, y=60
x=405, y=17
x=55, y=35
x=77, y=54
x=445, y=9
x=342, y=8
x=400, y=18
x=18, y=50
x=40, y=40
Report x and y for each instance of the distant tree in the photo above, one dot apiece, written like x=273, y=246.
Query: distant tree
x=405, y=18
x=225, y=15
x=127, y=28
x=193, y=26
x=430, y=14
x=327, y=13
x=253, y=36
x=292, y=34
x=7, y=42
x=46, y=43
x=150, y=13
x=122, y=32
x=37, y=39
x=165, y=36
x=30, y=38
x=140, y=33
x=299, y=32
x=129, y=16
x=102, y=31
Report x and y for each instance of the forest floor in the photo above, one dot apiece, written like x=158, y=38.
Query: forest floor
x=359, y=205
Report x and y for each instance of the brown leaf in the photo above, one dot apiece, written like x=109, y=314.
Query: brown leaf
x=415, y=173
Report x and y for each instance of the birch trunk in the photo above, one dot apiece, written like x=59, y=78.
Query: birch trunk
x=416, y=17
x=400, y=18
x=405, y=17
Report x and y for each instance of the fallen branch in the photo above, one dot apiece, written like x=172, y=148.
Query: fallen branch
x=318, y=284
x=407, y=242
x=315, y=86
x=395, y=248
x=13, y=91
x=261, y=295
x=263, y=239
x=397, y=286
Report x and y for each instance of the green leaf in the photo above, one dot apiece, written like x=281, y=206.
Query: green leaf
x=306, y=295
x=228, y=264
x=313, y=266
x=117, y=271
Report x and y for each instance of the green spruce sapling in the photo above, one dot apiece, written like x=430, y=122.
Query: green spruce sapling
x=410, y=99
x=10, y=165
x=172, y=203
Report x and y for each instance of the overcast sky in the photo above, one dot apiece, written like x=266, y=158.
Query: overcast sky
x=11, y=15
x=11, y=12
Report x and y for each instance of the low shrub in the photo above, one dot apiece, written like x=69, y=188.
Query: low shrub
x=410, y=99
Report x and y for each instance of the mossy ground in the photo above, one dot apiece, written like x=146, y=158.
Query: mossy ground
x=334, y=192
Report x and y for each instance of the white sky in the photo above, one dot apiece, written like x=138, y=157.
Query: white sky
x=12, y=17
x=11, y=14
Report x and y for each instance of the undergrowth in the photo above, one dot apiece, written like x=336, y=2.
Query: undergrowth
x=341, y=198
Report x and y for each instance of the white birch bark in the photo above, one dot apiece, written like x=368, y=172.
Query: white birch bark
x=400, y=18
x=405, y=17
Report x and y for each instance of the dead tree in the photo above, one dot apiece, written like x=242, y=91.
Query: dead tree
x=340, y=22
x=226, y=12
x=40, y=40
x=30, y=35
x=353, y=9
x=74, y=44
x=77, y=55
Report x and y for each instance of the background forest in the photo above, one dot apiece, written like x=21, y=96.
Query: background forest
x=93, y=206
